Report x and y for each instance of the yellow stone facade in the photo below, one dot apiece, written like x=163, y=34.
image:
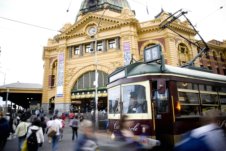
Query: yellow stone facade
x=121, y=25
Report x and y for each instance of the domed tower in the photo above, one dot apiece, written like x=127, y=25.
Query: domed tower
x=98, y=5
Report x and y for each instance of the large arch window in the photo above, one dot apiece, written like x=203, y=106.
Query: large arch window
x=86, y=81
x=52, y=76
x=183, y=54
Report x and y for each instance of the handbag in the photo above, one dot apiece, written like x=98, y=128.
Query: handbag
x=24, y=146
x=52, y=131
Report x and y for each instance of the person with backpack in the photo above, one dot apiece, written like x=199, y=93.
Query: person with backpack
x=74, y=126
x=54, y=127
x=21, y=131
x=35, y=137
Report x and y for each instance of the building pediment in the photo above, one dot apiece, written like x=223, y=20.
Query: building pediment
x=80, y=28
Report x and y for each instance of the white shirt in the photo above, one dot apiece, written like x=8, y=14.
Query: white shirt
x=55, y=123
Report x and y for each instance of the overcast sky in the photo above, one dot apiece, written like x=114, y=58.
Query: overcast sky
x=22, y=45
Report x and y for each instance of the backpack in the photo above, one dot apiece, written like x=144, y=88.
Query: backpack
x=32, y=141
x=52, y=131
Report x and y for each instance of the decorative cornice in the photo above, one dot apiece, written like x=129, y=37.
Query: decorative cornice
x=183, y=28
x=119, y=23
x=50, y=48
x=87, y=17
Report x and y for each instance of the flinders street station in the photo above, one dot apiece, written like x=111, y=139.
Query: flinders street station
x=106, y=35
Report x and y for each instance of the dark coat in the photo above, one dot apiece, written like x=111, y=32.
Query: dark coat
x=4, y=128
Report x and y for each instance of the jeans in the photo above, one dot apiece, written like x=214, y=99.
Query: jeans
x=55, y=142
x=74, y=132
x=20, y=142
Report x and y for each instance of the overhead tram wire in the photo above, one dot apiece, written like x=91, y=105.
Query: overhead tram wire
x=210, y=14
x=69, y=6
x=28, y=24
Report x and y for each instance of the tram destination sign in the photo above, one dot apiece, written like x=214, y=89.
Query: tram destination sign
x=152, y=53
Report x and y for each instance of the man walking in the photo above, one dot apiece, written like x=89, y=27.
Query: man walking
x=54, y=127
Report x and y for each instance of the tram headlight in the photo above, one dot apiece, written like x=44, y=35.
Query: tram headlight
x=178, y=106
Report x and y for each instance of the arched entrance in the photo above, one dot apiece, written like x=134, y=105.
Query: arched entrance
x=83, y=92
x=51, y=105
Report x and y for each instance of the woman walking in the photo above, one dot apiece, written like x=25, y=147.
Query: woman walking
x=74, y=126
x=21, y=131
x=35, y=137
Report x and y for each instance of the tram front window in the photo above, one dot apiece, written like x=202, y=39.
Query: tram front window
x=114, y=100
x=134, y=99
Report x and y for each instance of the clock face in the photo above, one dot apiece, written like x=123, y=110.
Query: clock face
x=92, y=31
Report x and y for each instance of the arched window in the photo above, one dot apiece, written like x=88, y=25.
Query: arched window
x=86, y=81
x=149, y=45
x=214, y=55
x=222, y=57
x=183, y=54
x=52, y=76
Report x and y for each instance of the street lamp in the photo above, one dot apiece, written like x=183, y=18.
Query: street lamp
x=7, y=97
x=96, y=73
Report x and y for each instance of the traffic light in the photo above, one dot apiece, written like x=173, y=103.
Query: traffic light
x=92, y=104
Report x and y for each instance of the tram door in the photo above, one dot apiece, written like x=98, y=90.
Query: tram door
x=162, y=113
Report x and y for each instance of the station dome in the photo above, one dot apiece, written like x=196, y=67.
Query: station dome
x=98, y=5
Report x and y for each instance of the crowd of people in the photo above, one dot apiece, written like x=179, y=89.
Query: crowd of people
x=30, y=130
x=30, y=127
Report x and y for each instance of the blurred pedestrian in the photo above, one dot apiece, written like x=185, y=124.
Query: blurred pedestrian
x=126, y=135
x=81, y=117
x=4, y=131
x=62, y=129
x=21, y=131
x=54, y=125
x=74, y=123
x=43, y=124
x=209, y=137
x=87, y=140
x=11, y=125
x=35, y=137
x=71, y=115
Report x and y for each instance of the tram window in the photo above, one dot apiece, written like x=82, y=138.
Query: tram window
x=223, y=99
x=203, y=87
x=206, y=108
x=223, y=103
x=185, y=85
x=209, y=98
x=161, y=101
x=188, y=110
x=222, y=89
x=188, y=98
x=114, y=100
x=134, y=99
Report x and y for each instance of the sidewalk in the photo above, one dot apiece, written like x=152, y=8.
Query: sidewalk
x=65, y=145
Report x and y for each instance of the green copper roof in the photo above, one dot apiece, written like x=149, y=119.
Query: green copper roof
x=95, y=5
x=142, y=69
